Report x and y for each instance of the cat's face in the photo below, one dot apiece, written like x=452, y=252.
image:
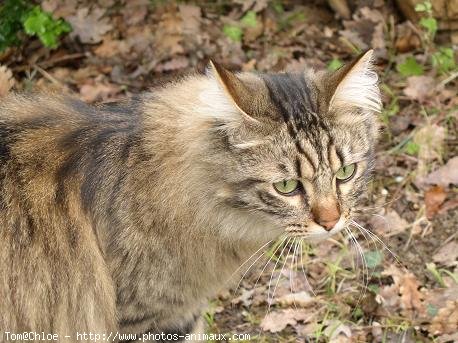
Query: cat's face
x=302, y=150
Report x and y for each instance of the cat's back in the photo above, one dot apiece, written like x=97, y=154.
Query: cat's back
x=49, y=251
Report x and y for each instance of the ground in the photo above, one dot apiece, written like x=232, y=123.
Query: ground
x=401, y=286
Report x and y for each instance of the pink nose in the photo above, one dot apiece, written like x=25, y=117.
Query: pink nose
x=328, y=225
x=326, y=214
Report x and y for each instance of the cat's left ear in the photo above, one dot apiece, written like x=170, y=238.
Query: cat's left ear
x=235, y=90
x=355, y=86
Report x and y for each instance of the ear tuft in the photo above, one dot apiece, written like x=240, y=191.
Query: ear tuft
x=357, y=86
x=236, y=91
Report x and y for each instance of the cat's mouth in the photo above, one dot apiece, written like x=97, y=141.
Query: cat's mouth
x=314, y=232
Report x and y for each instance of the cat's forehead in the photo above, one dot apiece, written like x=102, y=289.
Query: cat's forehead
x=293, y=96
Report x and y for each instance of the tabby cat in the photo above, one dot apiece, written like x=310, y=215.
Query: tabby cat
x=127, y=217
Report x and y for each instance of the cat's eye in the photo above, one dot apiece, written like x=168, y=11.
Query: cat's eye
x=286, y=187
x=345, y=173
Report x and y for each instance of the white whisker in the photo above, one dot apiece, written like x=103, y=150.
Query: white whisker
x=279, y=277
x=275, y=266
x=303, y=270
x=268, y=261
x=256, y=260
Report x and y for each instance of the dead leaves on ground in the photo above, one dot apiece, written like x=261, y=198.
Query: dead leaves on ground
x=6, y=80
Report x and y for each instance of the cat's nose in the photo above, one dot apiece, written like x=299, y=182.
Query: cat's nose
x=326, y=213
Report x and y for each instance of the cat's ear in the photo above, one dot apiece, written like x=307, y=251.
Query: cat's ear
x=355, y=85
x=235, y=90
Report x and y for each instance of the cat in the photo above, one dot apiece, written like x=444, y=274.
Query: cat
x=126, y=218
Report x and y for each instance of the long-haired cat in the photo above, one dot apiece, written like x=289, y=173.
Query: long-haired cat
x=128, y=217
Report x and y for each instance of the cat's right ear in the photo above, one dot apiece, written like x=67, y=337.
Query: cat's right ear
x=354, y=86
x=234, y=89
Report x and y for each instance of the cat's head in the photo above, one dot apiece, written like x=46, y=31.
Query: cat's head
x=296, y=149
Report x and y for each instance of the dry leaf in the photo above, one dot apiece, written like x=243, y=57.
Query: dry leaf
x=136, y=11
x=446, y=320
x=278, y=320
x=98, y=92
x=6, y=80
x=245, y=298
x=410, y=295
x=388, y=223
x=419, y=87
x=434, y=197
x=89, y=27
x=175, y=63
x=445, y=175
x=430, y=140
x=447, y=255
x=334, y=330
x=301, y=299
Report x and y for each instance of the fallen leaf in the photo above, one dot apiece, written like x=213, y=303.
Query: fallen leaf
x=419, y=88
x=98, y=92
x=6, y=80
x=388, y=223
x=445, y=175
x=175, y=63
x=410, y=295
x=279, y=320
x=430, y=141
x=301, y=299
x=245, y=298
x=136, y=11
x=89, y=27
x=434, y=197
x=447, y=255
x=446, y=320
x=335, y=328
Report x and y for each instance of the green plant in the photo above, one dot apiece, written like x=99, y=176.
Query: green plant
x=233, y=32
x=334, y=64
x=41, y=24
x=428, y=22
x=18, y=16
x=411, y=148
x=373, y=258
x=437, y=274
x=443, y=60
x=410, y=67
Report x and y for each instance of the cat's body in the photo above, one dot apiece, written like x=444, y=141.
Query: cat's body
x=128, y=217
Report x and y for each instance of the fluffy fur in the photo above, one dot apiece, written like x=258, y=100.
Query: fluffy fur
x=128, y=217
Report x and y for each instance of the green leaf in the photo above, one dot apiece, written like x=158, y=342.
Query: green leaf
x=410, y=67
x=431, y=310
x=233, y=32
x=411, y=148
x=420, y=8
x=249, y=19
x=11, y=12
x=40, y=23
x=373, y=258
x=335, y=64
x=443, y=60
x=374, y=288
x=430, y=24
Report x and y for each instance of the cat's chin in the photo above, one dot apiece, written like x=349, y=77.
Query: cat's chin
x=316, y=233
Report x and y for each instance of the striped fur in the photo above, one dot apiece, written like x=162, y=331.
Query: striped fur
x=128, y=217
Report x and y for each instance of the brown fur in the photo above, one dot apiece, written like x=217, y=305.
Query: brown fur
x=128, y=217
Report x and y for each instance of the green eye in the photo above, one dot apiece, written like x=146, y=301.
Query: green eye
x=345, y=173
x=286, y=187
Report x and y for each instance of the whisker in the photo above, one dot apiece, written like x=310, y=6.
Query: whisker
x=275, y=266
x=270, y=259
x=303, y=270
x=370, y=233
x=292, y=266
x=279, y=277
x=364, y=263
x=256, y=260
